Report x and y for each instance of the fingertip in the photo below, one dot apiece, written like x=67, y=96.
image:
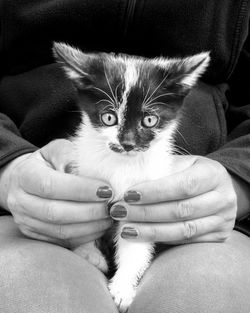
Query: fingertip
x=104, y=192
x=118, y=212
x=132, y=196
x=129, y=232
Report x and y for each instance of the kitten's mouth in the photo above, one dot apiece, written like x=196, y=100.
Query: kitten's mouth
x=122, y=151
x=119, y=149
x=116, y=148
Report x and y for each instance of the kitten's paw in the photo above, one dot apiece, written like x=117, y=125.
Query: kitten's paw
x=93, y=256
x=123, y=295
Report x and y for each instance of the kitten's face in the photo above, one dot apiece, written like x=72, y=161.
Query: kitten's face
x=130, y=101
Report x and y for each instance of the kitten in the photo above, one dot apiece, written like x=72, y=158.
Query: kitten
x=130, y=110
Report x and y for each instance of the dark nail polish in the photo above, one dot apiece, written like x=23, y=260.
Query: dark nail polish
x=129, y=233
x=118, y=211
x=132, y=196
x=104, y=192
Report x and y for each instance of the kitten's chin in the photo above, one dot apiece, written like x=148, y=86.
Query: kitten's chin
x=130, y=153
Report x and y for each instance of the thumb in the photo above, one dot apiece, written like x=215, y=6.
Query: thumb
x=58, y=154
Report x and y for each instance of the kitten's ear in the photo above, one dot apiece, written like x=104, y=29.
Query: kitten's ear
x=192, y=68
x=185, y=72
x=75, y=64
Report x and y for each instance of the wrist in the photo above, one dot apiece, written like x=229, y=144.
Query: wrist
x=5, y=178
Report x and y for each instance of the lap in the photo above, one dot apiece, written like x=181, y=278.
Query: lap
x=206, y=277
x=33, y=271
x=203, y=277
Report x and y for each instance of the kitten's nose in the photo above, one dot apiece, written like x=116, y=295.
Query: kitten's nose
x=127, y=147
x=127, y=141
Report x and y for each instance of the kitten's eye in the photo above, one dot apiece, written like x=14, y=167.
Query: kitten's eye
x=150, y=121
x=109, y=119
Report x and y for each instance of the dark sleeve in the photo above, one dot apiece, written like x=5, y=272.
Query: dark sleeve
x=235, y=154
x=12, y=144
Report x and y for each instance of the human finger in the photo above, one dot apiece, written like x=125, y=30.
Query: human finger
x=202, y=176
x=38, y=179
x=62, y=232
x=61, y=211
x=172, y=211
x=172, y=232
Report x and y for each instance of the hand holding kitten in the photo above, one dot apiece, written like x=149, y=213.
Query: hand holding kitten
x=197, y=204
x=49, y=204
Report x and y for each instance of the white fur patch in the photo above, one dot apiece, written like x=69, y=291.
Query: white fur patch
x=131, y=76
x=96, y=160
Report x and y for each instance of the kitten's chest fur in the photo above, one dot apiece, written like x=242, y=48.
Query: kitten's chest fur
x=96, y=160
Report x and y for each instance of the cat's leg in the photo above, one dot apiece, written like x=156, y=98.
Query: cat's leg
x=90, y=252
x=132, y=259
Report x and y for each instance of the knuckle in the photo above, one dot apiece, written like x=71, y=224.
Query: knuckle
x=61, y=232
x=190, y=230
x=184, y=209
x=188, y=185
x=93, y=213
x=144, y=213
x=49, y=213
x=46, y=187
x=153, y=235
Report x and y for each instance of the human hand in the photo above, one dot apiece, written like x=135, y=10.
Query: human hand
x=51, y=205
x=197, y=204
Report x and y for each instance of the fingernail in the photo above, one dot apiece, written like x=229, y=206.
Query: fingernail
x=132, y=196
x=129, y=233
x=104, y=192
x=118, y=211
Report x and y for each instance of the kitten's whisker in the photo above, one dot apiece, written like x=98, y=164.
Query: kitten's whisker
x=152, y=110
x=164, y=78
x=176, y=151
x=105, y=100
x=161, y=95
x=99, y=89
x=110, y=107
x=154, y=103
x=182, y=136
x=181, y=149
x=144, y=100
x=110, y=86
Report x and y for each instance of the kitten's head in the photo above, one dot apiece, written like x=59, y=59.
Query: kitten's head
x=130, y=101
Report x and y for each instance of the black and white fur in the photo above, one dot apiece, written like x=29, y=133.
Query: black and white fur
x=130, y=89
